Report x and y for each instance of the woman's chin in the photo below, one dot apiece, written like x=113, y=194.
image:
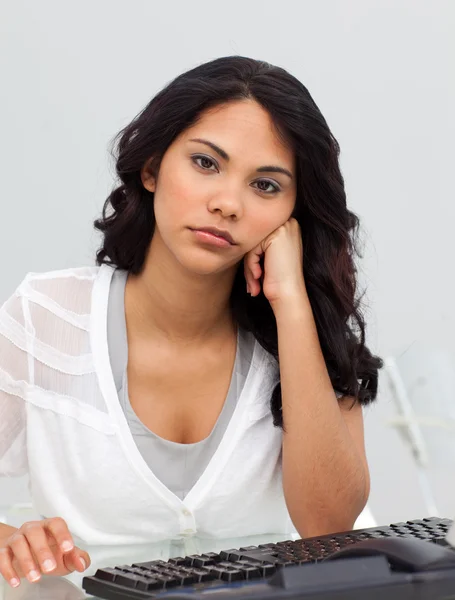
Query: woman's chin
x=205, y=265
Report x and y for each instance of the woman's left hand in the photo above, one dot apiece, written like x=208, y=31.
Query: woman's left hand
x=283, y=265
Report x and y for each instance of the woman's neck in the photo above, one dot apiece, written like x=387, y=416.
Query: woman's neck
x=183, y=307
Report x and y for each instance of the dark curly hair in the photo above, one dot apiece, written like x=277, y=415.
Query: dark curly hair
x=329, y=229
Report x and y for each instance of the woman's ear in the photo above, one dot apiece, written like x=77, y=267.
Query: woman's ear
x=148, y=177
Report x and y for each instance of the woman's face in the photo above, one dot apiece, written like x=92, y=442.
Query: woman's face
x=232, y=187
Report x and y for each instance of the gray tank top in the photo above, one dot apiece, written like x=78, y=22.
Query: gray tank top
x=177, y=466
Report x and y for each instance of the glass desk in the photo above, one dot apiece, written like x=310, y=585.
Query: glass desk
x=70, y=587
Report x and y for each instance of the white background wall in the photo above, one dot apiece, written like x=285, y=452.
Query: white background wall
x=381, y=71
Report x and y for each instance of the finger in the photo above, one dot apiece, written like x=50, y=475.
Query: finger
x=58, y=528
x=39, y=545
x=85, y=559
x=253, y=262
x=6, y=567
x=21, y=551
x=253, y=271
x=255, y=287
x=246, y=274
x=256, y=275
x=77, y=560
x=257, y=271
x=251, y=283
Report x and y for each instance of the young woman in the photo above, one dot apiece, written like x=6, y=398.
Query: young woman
x=207, y=377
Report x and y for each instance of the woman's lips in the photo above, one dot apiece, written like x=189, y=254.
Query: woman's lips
x=211, y=239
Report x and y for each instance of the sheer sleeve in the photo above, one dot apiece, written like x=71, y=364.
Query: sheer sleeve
x=14, y=373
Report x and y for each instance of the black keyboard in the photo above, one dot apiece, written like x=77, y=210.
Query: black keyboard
x=239, y=566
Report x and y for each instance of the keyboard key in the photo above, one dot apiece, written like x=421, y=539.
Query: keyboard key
x=285, y=556
x=150, y=564
x=186, y=578
x=204, y=575
x=225, y=565
x=127, y=579
x=232, y=575
x=203, y=561
x=167, y=582
x=415, y=522
x=186, y=570
x=107, y=574
x=267, y=570
x=191, y=558
x=148, y=584
x=212, y=556
x=260, y=556
x=251, y=572
x=178, y=560
x=217, y=571
x=152, y=571
x=285, y=543
x=173, y=574
x=224, y=554
x=126, y=568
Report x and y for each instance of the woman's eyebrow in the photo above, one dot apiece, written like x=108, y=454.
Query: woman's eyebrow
x=225, y=156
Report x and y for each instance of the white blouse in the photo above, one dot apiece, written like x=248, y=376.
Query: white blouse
x=61, y=422
x=176, y=465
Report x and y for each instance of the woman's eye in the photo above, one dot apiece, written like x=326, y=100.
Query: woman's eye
x=265, y=185
x=204, y=162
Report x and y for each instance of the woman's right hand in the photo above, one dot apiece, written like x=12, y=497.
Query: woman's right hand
x=40, y=547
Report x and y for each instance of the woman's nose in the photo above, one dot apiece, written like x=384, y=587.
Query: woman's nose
x=229, y=204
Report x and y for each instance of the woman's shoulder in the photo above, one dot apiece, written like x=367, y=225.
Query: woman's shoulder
x=81, y=273
x=47, y=283
x=66, y=293
x=62, y=281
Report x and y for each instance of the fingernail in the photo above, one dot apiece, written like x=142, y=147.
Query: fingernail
x=67, y=546
x=33, y=575
x=14, y=582
x=83, y=563
x=48, y=565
